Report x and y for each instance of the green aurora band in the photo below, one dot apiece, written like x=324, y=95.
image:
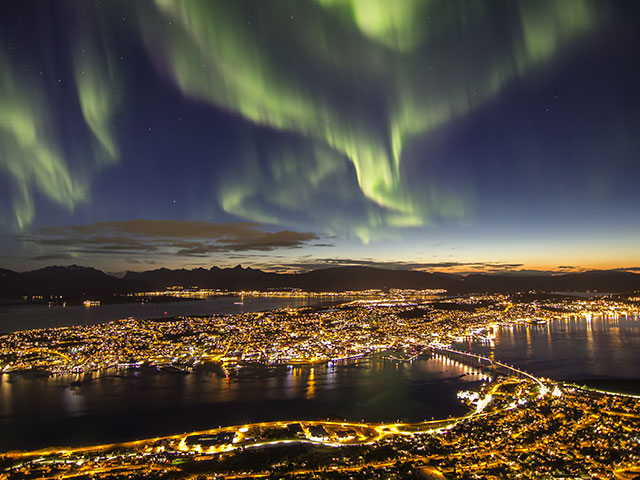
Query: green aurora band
x=359, y=80
x=98, y=92
x=344, y=86
x=30, y=148
x=400, y=29
x=29, y=153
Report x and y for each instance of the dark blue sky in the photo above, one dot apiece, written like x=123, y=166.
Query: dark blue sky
x=446, y=135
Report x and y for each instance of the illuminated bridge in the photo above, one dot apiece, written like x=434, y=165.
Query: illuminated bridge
x=478, y=360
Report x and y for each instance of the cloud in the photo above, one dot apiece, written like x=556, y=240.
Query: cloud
x=103, y=242
x=168, y=237
x=54, y=256
x=160, y=229
x=265, y=242
x=307, y=264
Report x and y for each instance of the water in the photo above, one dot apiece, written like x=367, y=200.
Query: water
x=25, y=317
x=596, y=350
x=40, y=412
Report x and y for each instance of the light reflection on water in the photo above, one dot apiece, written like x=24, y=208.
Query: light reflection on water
x=39, y=412
x=25, y=317
x=577, y=348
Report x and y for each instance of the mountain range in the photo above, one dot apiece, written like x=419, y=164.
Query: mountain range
x=75, y=282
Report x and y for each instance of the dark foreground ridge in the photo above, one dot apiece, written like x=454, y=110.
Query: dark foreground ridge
x=75, y=282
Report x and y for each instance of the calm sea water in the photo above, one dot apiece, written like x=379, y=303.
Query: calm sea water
x=143, y=403
x=26, y=317
x=38, y=412
x=584, y=349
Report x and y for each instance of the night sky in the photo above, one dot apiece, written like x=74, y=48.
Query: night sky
x=288, y=135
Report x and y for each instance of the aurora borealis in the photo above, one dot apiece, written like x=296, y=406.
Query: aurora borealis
x=442, y=134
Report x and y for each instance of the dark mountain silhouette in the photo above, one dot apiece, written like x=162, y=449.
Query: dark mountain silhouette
x=601, y=281
x=76, y=282
x=236, y=278
x=73, y=281
x=363, y=278
x=70, y=281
